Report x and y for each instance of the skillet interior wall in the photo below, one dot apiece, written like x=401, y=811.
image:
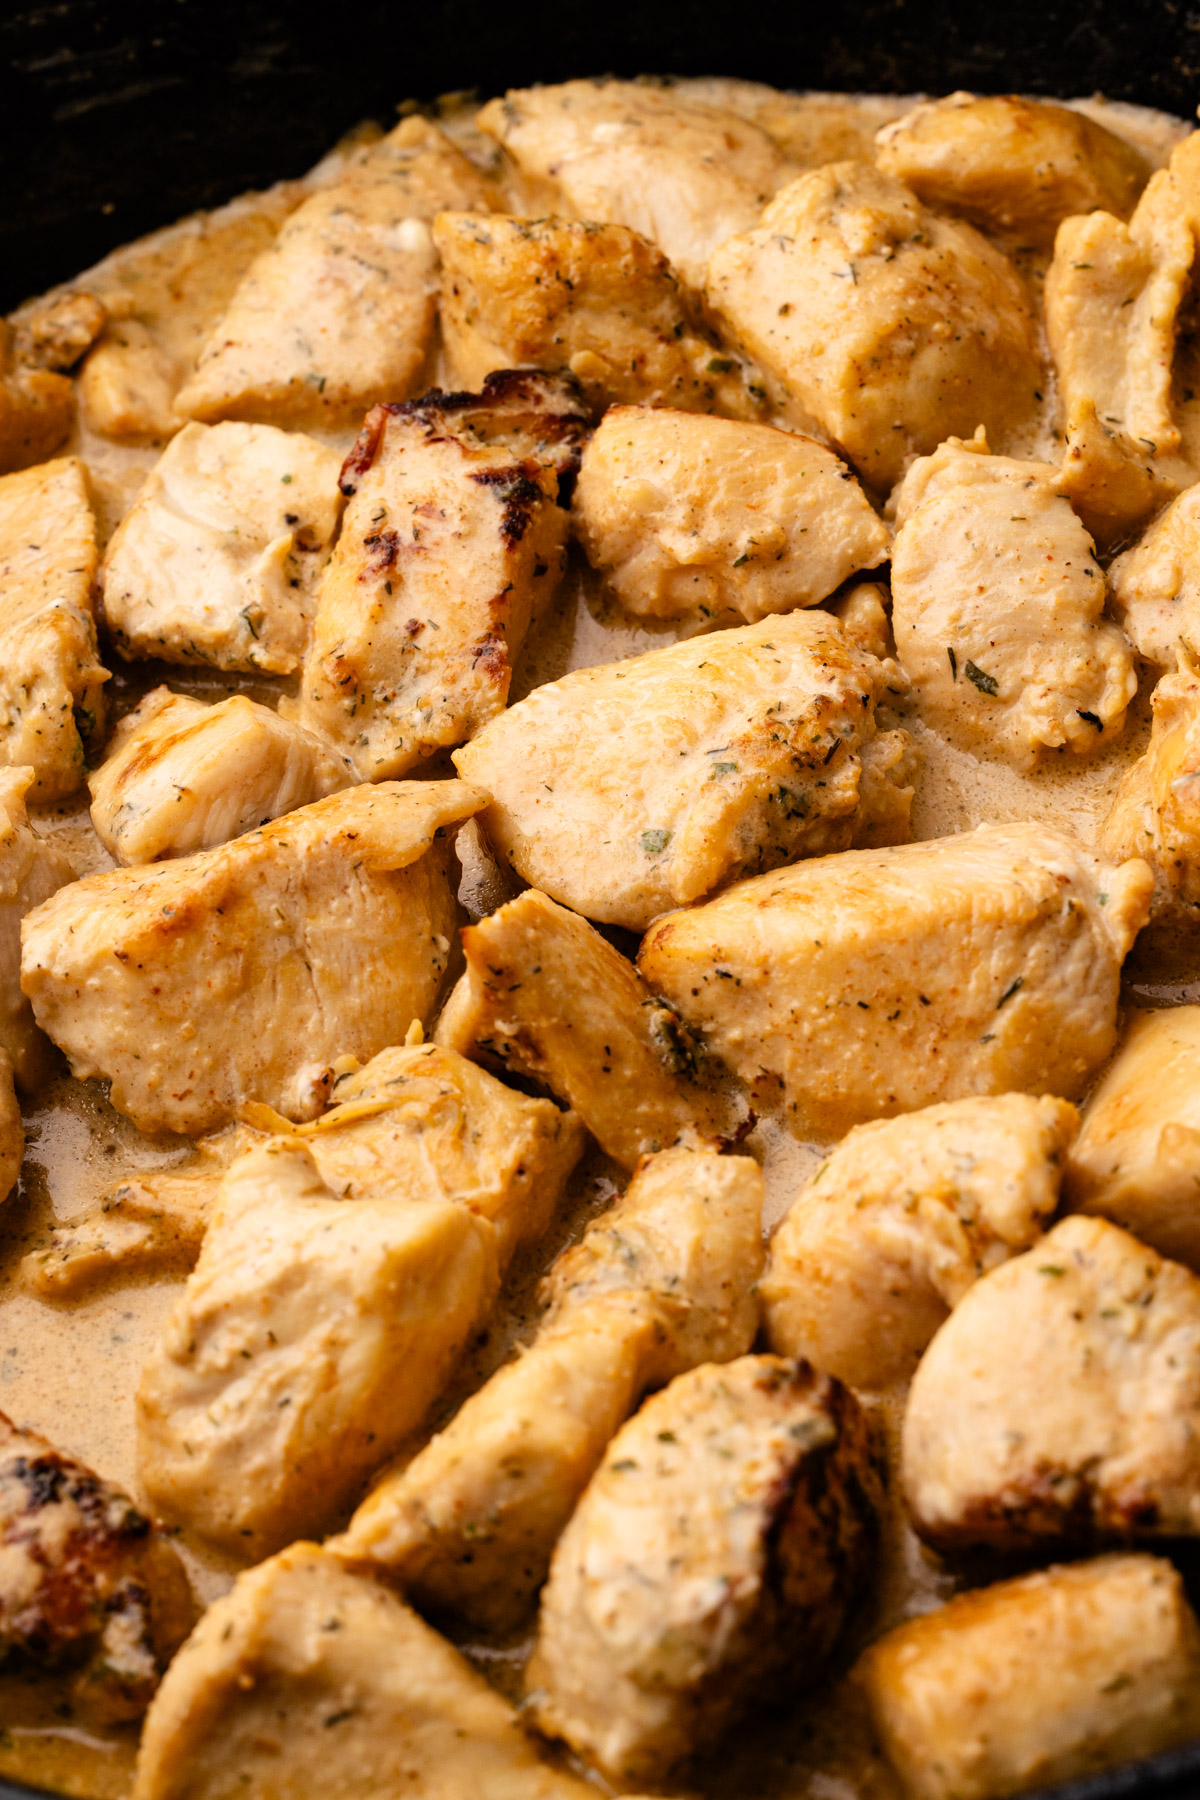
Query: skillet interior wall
x=117, y=116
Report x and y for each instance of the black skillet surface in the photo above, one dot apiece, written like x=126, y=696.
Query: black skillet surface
x=119, y=117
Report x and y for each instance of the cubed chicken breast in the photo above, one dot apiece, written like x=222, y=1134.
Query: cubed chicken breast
x=626, y=789
x=702, y=518
x=1060, y=1401
x=663, y=1281
x=1000, y=631
x=242, y=973
x=55, y=333
x=88, y=1587
x=1156, y=585
x=626, y=153
x=219, y=559
x=453, y=543
x=307, y=1672
x=1052, y=1677
x=336, y=315
x=1011, y=165
x=900, y=1220
x=597, y=300
x=182, y=776
x=12, y=1130
x=875, y=982
x=719, y=1547
x=37, y=409
x=546, y=996
x=1156, y=811
x=884, y=324
x=51, y=678
x=1136, y=1160
x=31, y=869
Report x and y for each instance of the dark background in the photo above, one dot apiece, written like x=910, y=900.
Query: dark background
x=120, y=115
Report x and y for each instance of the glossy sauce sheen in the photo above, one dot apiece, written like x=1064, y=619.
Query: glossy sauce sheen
x=70, y=1371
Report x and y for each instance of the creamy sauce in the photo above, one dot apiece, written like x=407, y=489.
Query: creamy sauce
x=70, y=1370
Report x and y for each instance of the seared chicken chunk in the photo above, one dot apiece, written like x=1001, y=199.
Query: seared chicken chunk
x=633, y=787
x=1048, y=1678
x=1061, y=1399
x=549, y=997
x=1156, y=811
x=12, y=1131
x=182, y=776
x=219, y=558
x=811, y=129
x=306, y=1672
x=241, y=973
x=30, y=871
x=704, y=518
x=1137, y=1157
x=721, y=1545
x=336, y=315
x=1011, y=165
x=36, y=409
x=1155, y=586
x=878, y=981
x=998, y=614
x=663, y=1281
x=900, y=1220
x=56, y=333
x=684, y=175
x=598, y=300
x=885, y=324
x=452, y=545
x=51, y=680
x=86, y=1583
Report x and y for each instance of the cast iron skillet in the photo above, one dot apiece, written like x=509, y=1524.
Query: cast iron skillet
x=118, y=116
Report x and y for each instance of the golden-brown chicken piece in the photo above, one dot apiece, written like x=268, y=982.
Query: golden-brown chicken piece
x=12, y=1130
x=1136, y=1160
x=812, y=128
x=1011, y=165
x=548, y=997
x=681, y=174
x=219, y=558
x=597, y=300
x=87, y=1585
x=30, y=871
x=632, y=787
x=663, y=1281
x=1156, y=811
x=1061, y=1399
x=54, y=334
x=900, y=1220
x=51, y=678
x=150, y=1222
x=887, y=325
x=998, y=607
x=336, y=315
x=874, y=982
x=1052, y=1677
x=721, y=1544
x=242, y=973
x=36, y=409
x=1155, y=589
x=703, y=518
x=182, y=776
x=452, y=545
x=308, y=1672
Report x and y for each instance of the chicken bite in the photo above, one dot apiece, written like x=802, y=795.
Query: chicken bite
x=218, y=560
x=1011, y=165
x=998, y=615
x=900, y=1220
x=703, y=518
x=51, y=678
x=597, y=300
x=306, y=1666
x=241, y=973
x=36, y=409
x=87, y=1585
x=182, y=776
x=54, y=334
x=720, y=1546
x=1060, y=1401
x=885, y=325
x=336, y=315
x=548, y=997
x=1155, y=589
x=811, y=129
x=875, y=982
x=626, y=789
x=30, y=871
x=12, y=1130
x=1052, y=1677
x=1156, y=811
x=663, y=1281
x=453, y=544
x=625, y=153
